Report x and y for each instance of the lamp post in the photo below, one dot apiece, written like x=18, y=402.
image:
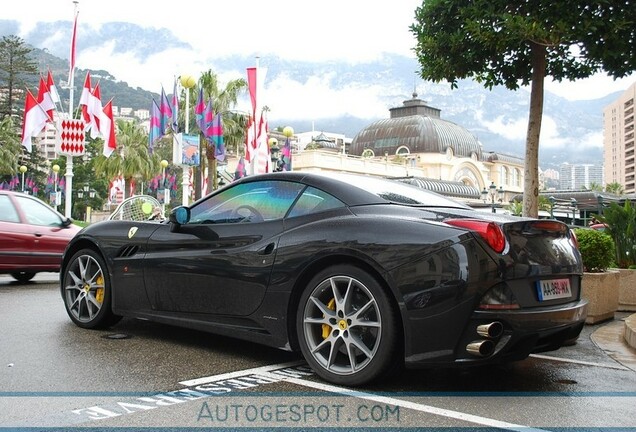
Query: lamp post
x=493, y=193
x=56, y=169
x=188, y=82
x=552, y=202
x=599, y=198
x=288, y=131
x=275, y=154
x=23, y=169
x=574, y=205
x=85, y=194
x=166, y=193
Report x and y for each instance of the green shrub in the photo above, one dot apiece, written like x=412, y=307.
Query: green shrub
x=621, y=225
x=597, y=250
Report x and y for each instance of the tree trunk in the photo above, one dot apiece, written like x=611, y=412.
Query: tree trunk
x=531, y=171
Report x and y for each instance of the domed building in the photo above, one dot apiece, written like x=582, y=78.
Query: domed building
x=449, y=156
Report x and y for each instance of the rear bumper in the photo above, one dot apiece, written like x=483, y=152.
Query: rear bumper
x=523, y=332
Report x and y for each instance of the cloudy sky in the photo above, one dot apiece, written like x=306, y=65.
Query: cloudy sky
x=349, y=30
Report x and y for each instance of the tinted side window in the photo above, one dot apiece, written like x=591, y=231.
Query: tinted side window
x=314, y=201
x=248, y=202
x=8, y=213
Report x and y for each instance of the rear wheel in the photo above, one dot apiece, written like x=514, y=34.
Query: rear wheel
x=346, y=326
x=87, y=291
x=23, y=276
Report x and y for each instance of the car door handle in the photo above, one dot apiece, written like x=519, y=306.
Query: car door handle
x=37, y=234
x=267, y=249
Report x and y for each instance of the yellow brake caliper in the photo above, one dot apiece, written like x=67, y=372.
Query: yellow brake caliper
x=326, y=328
x=99, y=293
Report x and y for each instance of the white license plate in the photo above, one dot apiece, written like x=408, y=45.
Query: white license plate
x=551, y=289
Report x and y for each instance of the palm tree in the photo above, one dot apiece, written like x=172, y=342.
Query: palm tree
x=131, y=159
x=224, y=100
x=615, y=188
x=10, y=147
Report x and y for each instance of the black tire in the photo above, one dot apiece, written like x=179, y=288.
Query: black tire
x=23, y=277
x=347, y=328
x=87, y=291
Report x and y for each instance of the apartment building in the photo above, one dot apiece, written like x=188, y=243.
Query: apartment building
x=618, y=140
x=580, y=176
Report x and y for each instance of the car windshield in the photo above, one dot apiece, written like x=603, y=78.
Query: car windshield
x=398, y=192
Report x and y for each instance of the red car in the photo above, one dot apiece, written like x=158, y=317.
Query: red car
x=33, y=236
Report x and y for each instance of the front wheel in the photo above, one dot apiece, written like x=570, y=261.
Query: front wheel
x=346, y=326
x=23, y=277
x=87, y=291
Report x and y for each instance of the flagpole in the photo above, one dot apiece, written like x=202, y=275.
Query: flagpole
x=68, y=202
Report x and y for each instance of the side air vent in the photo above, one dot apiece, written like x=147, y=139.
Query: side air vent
x=127, y=251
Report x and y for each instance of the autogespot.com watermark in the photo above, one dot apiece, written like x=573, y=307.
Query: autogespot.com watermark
x=293, y=413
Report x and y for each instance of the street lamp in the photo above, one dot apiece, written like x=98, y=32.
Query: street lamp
x=188, y=82
x=85, y=194
x=166, y=193
x=288, y=131
x=552, y=202
x=574, y=206
x=493, y=193
x=23, y=169
x=275, y=154
x=56, y=169
x=599, y=198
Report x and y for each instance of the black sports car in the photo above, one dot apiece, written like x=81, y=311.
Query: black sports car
x=360, y=274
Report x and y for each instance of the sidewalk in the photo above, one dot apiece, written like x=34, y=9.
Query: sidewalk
x=618, y=339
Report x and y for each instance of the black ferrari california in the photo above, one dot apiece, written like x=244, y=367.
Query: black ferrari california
x=361, y=275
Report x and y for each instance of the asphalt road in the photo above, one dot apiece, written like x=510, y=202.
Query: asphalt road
x=145, y=375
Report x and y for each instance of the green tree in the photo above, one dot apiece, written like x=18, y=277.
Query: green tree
x=131, y=159
x=10, y=147
x=15, y=63
x=596, y=187
x=499, y=42
x=621, y=225
x=224, y=100
x=615, y=188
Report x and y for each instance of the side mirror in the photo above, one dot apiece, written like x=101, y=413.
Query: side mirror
x=179, y=215
x=66, y=222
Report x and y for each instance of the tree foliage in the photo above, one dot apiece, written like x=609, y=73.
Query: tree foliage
x=499, y=42
x=224, y=99
x=621, y=225
x=15, y=63
x=10, y=147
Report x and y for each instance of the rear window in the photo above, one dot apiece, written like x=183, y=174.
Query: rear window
x=400, y=193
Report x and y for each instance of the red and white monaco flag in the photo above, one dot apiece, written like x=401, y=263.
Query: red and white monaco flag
x=55, y=96
x=45, y=100
x=35, y=119
x=107, y=124
x=95, y=111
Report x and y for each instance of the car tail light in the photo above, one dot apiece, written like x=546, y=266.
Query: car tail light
x=489, y=231
x=499, y=297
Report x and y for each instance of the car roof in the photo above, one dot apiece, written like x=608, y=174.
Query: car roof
x=356, y=189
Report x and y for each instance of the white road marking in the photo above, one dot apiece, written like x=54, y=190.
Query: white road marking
x=414, y=406
x=560, y=359
x=236, y=374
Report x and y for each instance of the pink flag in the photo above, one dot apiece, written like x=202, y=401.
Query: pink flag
x=72, y=54
x=34, y=120
x=107, y=124
x=45, y=100
x=55, y=96
x=252, y=86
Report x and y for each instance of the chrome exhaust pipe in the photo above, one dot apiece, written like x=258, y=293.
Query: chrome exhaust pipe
x=482, y=348
x=492, y=330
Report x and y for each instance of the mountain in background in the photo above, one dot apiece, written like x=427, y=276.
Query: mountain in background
x=571, y=130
